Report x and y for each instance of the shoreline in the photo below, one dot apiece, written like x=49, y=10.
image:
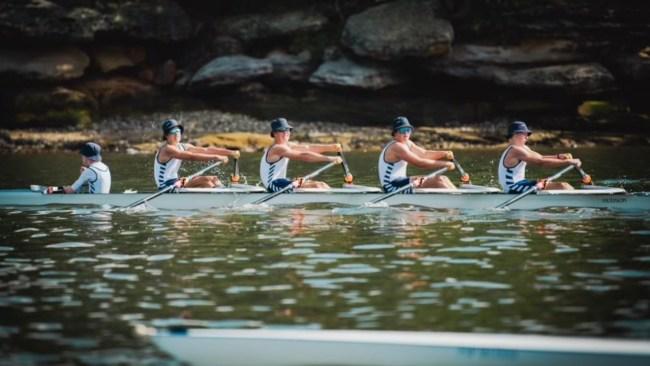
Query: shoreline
x=135, y=134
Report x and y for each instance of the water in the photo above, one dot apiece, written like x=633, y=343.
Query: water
x=73, y=280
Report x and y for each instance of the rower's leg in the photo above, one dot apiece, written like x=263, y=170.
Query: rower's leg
x=559, y=185
x=204, y=181
x=440, y=181
x=314, y=184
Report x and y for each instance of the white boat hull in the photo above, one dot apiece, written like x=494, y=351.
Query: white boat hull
x=231, y=347
x=471, y=198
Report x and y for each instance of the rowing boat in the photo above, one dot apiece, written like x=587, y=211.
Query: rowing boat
x=467, y=197
x=284, y=347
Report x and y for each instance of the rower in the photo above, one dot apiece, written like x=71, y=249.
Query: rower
x=401, y=151
x=512, y=165
x=172, y=153
x=275, y=160
x=93, y=172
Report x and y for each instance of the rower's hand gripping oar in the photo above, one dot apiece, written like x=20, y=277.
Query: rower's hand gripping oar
x=586, y=178
x=464, y=177
x=167, y=189
x=410, y=185
x=292, y=185
x=234, y=178
x=534, y=188
x=347, y=178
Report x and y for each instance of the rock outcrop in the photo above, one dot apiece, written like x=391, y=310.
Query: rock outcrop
x=109, y=58
x=347, y=73
x=261, y=26
x=46, y=64
x=290, y=67
x=459, y=59
x=74, y=21
x=395, y=30
x=230, y=70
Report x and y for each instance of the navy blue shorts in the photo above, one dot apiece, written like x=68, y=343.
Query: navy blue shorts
x=397, y=184
x=521, y=186
x=279, y=184
x=167, y=183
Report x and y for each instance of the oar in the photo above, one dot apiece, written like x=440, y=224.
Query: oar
x=586, y=178
x=290, y=186
x=167, y=189
x=234, y=178
x=534, y=188
x=348, y=178
x=410, y=185
x=464, y=177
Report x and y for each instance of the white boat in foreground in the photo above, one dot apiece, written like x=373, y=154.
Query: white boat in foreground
x=267, y=347
x=467, y=197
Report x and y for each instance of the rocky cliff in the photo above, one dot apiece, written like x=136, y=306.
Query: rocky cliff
x=64, y=62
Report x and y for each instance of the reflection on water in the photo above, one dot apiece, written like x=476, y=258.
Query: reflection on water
x=74, y=280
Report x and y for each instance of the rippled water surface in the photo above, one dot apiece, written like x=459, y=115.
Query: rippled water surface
x=73, y=280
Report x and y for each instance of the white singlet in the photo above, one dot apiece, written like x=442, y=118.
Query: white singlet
x=272, y=171
x=97, y=176
x=389, y=172
x=510, y=176
x=164, y=172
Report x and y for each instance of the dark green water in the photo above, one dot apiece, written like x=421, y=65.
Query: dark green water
x=74, y=280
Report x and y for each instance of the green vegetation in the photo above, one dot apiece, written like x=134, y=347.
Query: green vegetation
x=601, y=111
x=81, y=118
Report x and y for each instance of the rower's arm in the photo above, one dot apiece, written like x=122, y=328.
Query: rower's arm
x=440, y=154
x=402, y=153
x=86, y=175
x=215, y=150
x=552, y=161
x=317, y=148
x=432, y=154
x=191, y=155
x=561, y=156
x=306, y=156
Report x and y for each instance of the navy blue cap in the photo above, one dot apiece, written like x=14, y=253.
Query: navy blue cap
x=169, y=125
x=92, y=151
x=280, y=125
x=518, y=127
x=401, y=122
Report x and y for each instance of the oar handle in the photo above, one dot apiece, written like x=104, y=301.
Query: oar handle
x=586, y=178
x=534, y=188
x=464, y=177
x=234, y=178
x=410, y=185
x=348, y=178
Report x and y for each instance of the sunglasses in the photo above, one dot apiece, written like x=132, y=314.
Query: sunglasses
x=404, y=130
